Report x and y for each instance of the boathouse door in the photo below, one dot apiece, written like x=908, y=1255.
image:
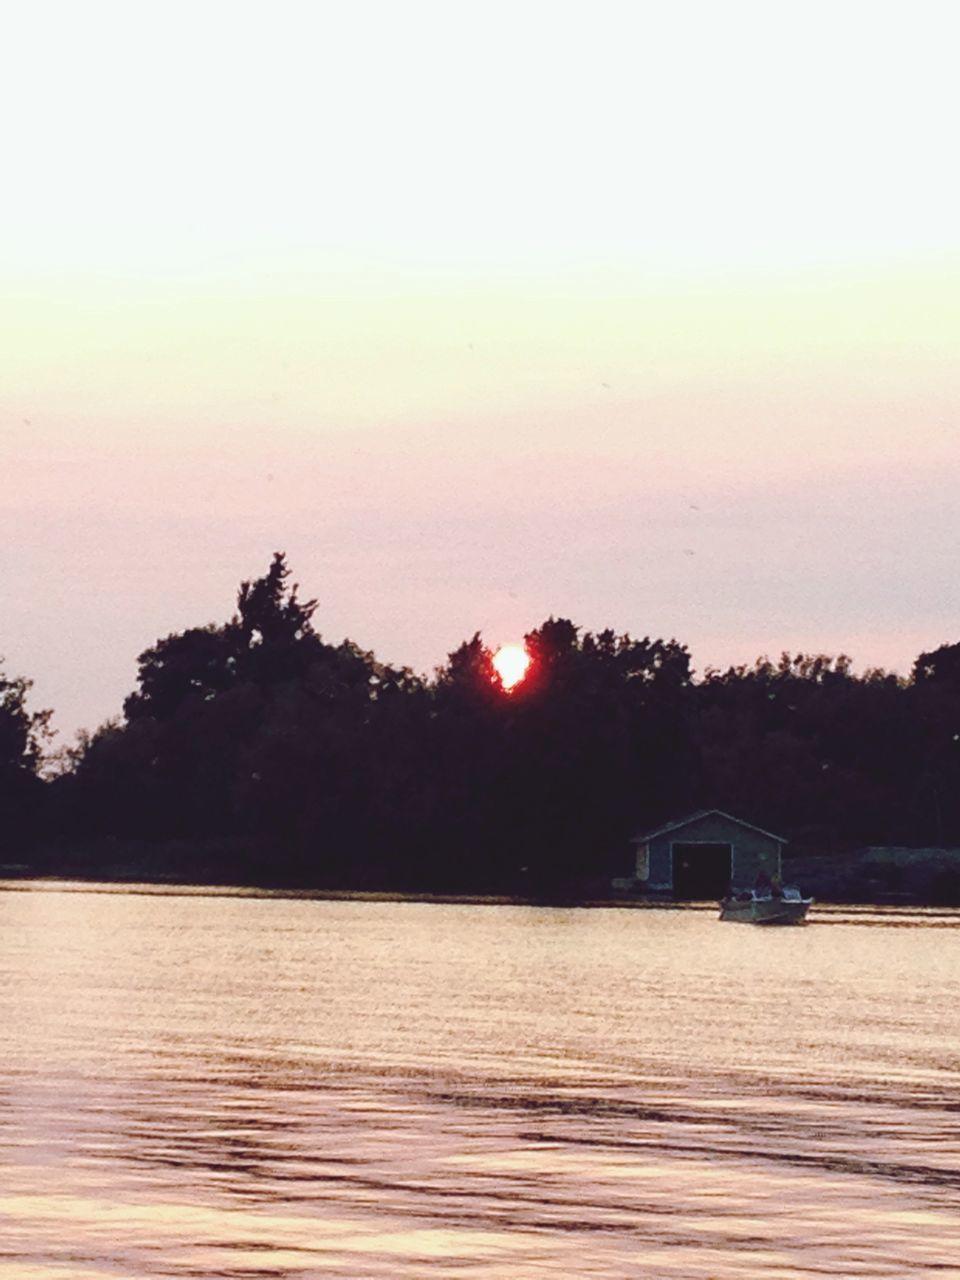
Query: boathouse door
x=701, y=871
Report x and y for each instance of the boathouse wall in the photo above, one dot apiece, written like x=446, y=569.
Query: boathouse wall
x=662, y=855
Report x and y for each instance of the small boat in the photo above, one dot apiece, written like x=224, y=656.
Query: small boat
x=765, y=906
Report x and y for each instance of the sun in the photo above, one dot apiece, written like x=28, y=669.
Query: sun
x=510, y=663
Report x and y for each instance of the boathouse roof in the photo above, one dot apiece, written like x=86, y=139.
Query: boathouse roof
x=643, y=836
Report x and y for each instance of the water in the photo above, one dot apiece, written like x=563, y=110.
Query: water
x=256, y=1088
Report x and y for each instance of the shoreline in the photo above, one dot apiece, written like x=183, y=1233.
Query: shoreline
x=168, y=888
x=187, y=889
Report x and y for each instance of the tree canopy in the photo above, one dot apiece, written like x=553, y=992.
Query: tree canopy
x=319, y=764
x=24, y=735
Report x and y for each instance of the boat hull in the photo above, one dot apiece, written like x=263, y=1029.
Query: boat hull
x=765, y=910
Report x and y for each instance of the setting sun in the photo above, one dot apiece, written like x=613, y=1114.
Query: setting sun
x=510, y=663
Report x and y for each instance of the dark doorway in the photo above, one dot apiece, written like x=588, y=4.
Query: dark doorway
x=701, y=870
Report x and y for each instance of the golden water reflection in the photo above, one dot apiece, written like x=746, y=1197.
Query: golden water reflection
x=235, y=1087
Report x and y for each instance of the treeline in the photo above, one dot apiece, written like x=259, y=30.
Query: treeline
x=254, y=751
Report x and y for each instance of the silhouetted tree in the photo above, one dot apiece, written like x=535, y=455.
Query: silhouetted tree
x=327, y=766
x=199, y=663
x=934, y=701
x=23, y=733
x=23, y=737
x=940, y=666
x=269, y=639
x=269, y=612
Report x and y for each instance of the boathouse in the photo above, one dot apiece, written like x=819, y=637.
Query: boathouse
x=701, y=856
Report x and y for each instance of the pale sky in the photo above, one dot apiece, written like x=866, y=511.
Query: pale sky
x=645, y=315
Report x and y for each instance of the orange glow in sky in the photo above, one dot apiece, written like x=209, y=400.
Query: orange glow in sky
x=510, y=663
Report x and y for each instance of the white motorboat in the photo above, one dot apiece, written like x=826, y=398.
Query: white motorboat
x=765, y=906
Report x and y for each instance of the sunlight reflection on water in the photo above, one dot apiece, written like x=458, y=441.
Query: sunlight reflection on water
x=249, y=1087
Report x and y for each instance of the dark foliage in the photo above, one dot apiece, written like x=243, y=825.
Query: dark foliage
x=23, y=736
x=316, y=764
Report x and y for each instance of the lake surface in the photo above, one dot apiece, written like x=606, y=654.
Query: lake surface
x=263, y=1088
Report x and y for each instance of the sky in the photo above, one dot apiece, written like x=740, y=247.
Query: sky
x=644, y=315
